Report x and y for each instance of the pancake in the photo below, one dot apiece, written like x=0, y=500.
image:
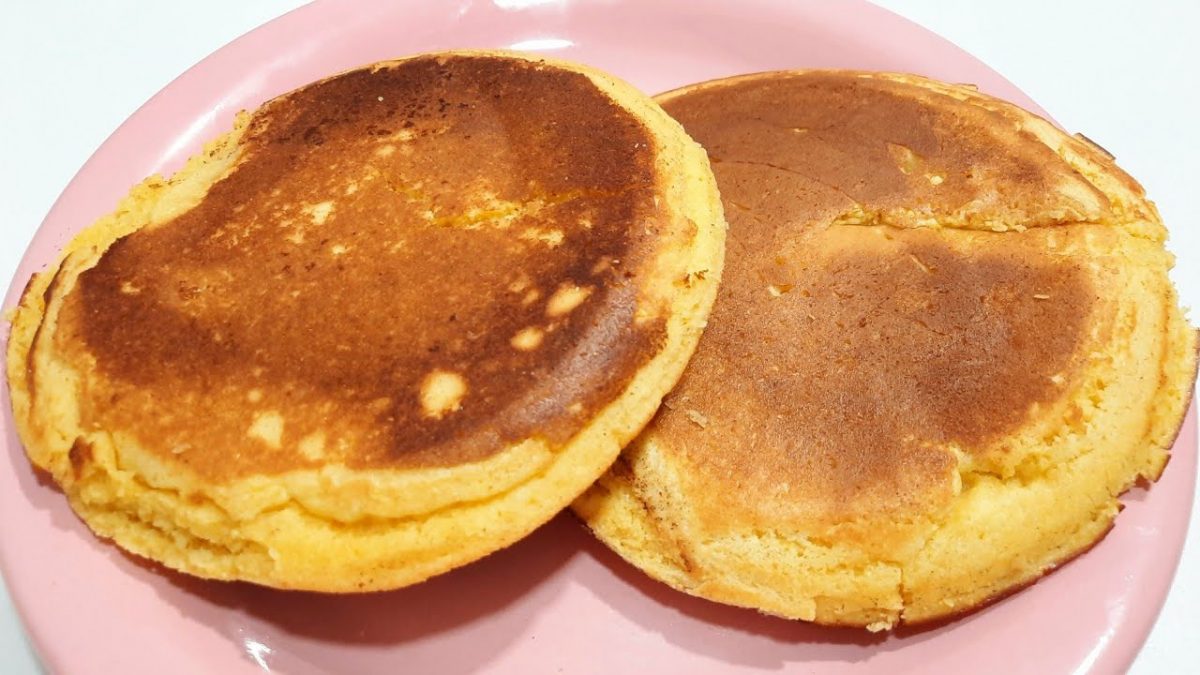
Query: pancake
x=391, y=322
x=945, y=342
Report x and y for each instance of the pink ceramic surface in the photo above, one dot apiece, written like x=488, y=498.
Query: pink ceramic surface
x=558, y=601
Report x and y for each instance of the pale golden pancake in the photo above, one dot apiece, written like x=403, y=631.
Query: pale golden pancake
x=944, y=344
x=391, y=322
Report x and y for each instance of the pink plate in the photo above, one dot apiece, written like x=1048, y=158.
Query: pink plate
x=558, y=601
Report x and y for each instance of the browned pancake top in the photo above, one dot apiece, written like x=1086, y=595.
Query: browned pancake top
x=888, y=145
x=412, y=265
x=842, y=362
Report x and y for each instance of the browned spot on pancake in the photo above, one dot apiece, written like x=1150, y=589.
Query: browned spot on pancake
x=851, y=384
x=79, y=455
x=323, y=280
x=841, y=362
x=884, y=145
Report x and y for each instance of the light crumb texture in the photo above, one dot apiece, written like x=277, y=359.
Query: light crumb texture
x=944, y=344
x=376, y=331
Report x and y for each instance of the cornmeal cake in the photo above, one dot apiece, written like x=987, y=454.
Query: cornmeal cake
x=391, y=322
x=944, y=344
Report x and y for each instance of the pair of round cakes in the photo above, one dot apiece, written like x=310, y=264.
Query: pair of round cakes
x=398, y=318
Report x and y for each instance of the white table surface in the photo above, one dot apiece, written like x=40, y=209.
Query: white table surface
x=1121, y=72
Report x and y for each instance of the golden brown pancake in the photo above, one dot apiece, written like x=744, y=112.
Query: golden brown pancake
x=391, y=322
x=944, y=344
